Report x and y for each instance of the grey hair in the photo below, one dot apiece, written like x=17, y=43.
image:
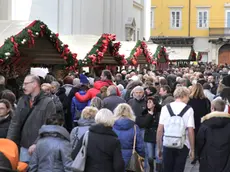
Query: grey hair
x=111, y=90
x=55, y=84
x=76, y=82
x=96, y=102
x=2, y=80
x=218, y=105
x=137, y=88
x=35, y=78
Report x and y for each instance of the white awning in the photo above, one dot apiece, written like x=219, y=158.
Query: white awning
x=80, y=44
x=127, y=46
x=11, y=28
x=178, y=53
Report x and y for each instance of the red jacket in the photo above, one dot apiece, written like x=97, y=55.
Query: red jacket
x=92, y=92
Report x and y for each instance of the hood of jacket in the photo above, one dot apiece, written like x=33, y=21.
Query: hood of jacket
x=86, y=122
x=52, y=129
x=68, y=88
x=216, y=119
x=123, y=124
x=101, y=129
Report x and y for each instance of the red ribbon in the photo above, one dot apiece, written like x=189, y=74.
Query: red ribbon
x=16, y=51
x=42, y=30
x=31, y=38
x=57, y=43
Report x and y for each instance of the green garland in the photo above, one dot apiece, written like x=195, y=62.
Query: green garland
x=28, y=36
x=160, y=55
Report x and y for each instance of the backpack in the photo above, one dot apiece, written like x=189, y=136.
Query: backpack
x=174, y=130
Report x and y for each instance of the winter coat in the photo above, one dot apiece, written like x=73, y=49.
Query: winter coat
x=5, y=165
x=80, y=130
x=150, y=123
x=103, y=150
x=4, y=125
x=63, y=94
x=57, y=102
x=124, y=128
x=25, y=133
x=53, y=150
x=201, y=108
x=92, y=92
x=167, y=99
x=213, y=140
x=138, y=106
x=77, y=107
x=209, y=95
x=112, y=101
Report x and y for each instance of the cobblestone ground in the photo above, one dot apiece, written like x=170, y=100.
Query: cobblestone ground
x=191, y=168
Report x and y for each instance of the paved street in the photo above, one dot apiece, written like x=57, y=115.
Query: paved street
x=191, y=168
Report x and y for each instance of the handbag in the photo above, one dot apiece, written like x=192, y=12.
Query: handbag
x=80, y=160
x=135, y=163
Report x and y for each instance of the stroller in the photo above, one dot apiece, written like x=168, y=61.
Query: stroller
x=9, y=157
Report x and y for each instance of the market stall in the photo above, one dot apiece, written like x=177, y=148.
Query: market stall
x=33, y=44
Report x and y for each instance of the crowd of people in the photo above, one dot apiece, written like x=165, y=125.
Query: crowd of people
x=167, y=115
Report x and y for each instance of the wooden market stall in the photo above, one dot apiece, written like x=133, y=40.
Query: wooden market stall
x=34, y=46
x=140, y=55
x=104, y=54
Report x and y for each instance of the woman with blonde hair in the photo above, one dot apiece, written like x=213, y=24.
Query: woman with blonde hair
x=200, y=104
x=124, y=128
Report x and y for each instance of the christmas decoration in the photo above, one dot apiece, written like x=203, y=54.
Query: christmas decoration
x=11, y=46
x=192, y=56
x=199, y=56
x=139, y=49
x=103, y=47
x=161, y=55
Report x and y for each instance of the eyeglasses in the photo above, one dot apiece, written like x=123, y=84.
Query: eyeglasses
x=26, y=83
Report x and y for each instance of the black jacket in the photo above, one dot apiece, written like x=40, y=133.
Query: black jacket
x=213, y=140
x=25, y=133
x=4, y=126
x=150, y=123
x=112, y=101
x=103, y=151
x=138, y=106
x=201, y=108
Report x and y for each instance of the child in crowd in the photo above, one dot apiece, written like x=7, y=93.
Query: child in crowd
x=53, y=149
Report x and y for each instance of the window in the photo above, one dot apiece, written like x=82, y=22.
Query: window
x=176, y=18
x=202, y=18
x=227, y=18
x=152, y=17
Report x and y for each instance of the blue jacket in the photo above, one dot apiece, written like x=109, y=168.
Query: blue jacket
x=77, y=107
x=53, y=150
x=124, y=128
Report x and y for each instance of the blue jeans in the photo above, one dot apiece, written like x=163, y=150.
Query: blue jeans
x=151, y=153
x=24, y=155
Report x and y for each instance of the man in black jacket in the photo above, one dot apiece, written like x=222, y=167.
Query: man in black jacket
x=32, y=110
x=213, y=140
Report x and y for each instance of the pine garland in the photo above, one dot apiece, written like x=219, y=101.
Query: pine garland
x=192, y=55
x=139, y=48
x=103, y=45
x=161, y=55
x=28, y=35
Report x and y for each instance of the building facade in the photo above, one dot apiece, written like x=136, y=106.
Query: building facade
x=207, y=21
x=95, y=17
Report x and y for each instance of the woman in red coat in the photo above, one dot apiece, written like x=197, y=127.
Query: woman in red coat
x=106, y=80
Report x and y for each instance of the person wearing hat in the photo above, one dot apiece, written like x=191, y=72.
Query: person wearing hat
x=77, y=106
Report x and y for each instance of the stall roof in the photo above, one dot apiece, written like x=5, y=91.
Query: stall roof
x=178, y=53
x=9, y=28
x=127, y=46
x=81, y=44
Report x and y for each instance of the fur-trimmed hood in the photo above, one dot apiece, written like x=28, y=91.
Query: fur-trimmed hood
x=216, y=119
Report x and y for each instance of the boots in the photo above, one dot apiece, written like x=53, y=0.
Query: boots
x=159, y=167
x=151, y=165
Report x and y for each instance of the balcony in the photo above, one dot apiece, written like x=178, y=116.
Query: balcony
x=219, y=32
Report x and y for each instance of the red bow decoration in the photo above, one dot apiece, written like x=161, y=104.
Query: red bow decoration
x=57, y=43
x=65, y=50
x=16, y=51
x=1, y=61
x=42, y=30
x=74, y=56
x=93, y=58
x=31, y=38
